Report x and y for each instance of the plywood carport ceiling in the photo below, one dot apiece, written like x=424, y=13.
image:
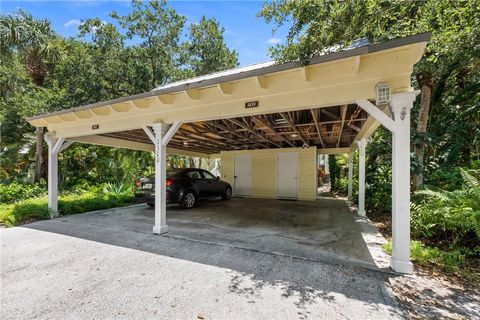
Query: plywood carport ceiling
x=331, y=127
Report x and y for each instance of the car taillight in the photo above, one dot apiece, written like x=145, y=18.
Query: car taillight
x=138, y=183
x=169, y=182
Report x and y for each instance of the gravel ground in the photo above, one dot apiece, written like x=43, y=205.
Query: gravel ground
x=63, y=270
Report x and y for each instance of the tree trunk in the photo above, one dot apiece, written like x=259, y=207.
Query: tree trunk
x=425, y=82
x=38, y=154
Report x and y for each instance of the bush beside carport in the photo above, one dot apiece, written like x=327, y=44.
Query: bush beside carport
x=36, y=208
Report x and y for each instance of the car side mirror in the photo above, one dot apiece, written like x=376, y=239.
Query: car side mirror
x=217, y=178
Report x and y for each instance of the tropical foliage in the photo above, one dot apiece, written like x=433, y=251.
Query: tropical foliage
x=451, y=216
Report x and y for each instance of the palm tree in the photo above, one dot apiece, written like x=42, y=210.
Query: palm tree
x=32, y=40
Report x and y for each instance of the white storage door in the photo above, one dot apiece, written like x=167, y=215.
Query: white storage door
x=243, y=175
x=287, y=175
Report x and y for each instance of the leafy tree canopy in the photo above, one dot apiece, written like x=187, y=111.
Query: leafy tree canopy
x=150, y=48
x=206, y=50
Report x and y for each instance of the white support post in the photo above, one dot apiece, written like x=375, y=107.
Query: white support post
x=160, y=177
x=52, y=180
x=163, y=134
x=362, y=143
x=350, y=174
x=325, y=161
x=54, y=147
x=401, y=104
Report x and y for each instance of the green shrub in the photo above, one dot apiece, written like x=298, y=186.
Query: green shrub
x=378, y=191
x=450, y=219
x=71, y=204
x=445, y=178
x=448, y=216
x=24, y=211
x=118, y=188
x=342, y=185
x=36, y=208
x=15, y=191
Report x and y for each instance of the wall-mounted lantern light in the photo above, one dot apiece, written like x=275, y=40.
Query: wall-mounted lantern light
x=383, y=93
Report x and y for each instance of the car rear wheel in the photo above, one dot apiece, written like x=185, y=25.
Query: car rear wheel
x=227, y=194
x=188, y=200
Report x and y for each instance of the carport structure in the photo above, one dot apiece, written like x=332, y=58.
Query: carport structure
x=330, y=105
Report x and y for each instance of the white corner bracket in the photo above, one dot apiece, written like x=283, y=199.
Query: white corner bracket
x=376, y=113
x=166, y=136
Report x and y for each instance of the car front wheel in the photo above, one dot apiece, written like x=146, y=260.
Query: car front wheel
x=227, y=194
x=188, y=200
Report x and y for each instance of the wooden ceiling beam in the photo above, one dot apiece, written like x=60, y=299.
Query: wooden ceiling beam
x=354, y=127
x=330, y=114
x=343, y=111
x=252, y=131
x=225, y=128
x=179, y=138
x=189, y=135
x=292, y=125
x=208, y=130
x=179, y=145
x=268, y=125
x=317, y=126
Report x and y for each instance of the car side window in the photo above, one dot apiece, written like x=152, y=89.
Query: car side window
x=208, y=175
x=194, y=174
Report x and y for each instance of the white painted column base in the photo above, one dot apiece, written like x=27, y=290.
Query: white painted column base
x=160, y=229
x=401, y=266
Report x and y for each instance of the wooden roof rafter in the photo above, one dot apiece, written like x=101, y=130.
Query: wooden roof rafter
x=292, y=125
x=266, y=123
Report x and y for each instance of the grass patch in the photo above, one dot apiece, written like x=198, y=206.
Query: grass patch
x=36, y=208
x=449, y=261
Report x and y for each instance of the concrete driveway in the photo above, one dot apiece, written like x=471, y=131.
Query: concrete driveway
x=325, y=230
x=77, y=268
